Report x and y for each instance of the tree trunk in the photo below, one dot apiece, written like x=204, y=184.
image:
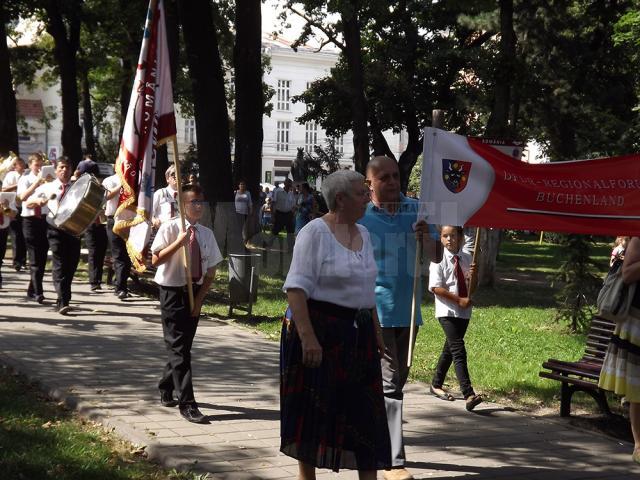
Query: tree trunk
x=353, y=53
x=378, y=142
x=247, y=60
x=409, y=157
x=498, y=128
x=8, y=115
x=65, y=50
x=210, y=111
x=89, y=139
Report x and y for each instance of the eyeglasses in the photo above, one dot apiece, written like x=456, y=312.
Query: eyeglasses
x=197, y=203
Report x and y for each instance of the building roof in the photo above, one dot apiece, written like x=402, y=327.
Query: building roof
x=30, y=108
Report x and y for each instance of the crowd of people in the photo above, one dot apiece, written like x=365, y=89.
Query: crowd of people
x=346, y=337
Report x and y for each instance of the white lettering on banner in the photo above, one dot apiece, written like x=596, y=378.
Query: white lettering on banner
x=577, y=199
x=606, y=184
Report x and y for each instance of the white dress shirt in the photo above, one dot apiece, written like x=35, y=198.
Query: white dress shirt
x=6, y=219
x=163, y=199
x=111, y=183
x=328, y=271
x=172, y=272
x=443, y=275
x=284, y=201
x=53, y=191
x=23, y=185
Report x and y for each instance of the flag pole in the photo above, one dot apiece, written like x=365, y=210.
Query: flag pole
x=437, y=120
x=473, y=260
x=185, y=249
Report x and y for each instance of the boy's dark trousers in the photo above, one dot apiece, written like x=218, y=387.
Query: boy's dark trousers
x=179, y=329
x=35, y=236
x=96, y=240
x=65, y=251
x=120, y=258
x=454, y=351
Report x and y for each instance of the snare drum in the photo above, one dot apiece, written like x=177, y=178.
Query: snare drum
x=80, y=206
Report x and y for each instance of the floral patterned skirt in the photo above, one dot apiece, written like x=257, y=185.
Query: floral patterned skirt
x=334, y=416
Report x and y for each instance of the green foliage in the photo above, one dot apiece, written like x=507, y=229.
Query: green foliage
x=415, y=177
x=579, y=282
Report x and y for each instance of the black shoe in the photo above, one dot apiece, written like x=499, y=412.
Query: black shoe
x=18, y=267
x=122, y=294
x=192, y=414
x=39, y=299
x=64, y=309
x=167, y=400
x=95, y=288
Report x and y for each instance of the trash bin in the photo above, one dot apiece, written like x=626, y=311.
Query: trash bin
x=243, y=279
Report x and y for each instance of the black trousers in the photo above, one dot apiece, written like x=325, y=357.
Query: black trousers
x=120, y=257
x=455, y=352
x=35, y=237
x=179, y=329
x=4, y=234
x=17, y=242
x=65, y=250
x=96, y=240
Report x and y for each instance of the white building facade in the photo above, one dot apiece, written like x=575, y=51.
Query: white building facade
x=40, y=114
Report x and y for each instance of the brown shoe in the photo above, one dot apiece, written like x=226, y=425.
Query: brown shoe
x=397, y=474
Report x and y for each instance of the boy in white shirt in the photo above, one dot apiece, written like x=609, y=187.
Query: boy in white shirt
x=451, y=281
x=10, y=184
x=179, y=324
x=34, y=227
x=165, y=203
x=118, y=247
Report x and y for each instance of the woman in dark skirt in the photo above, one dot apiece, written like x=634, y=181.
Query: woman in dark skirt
x=332, y=406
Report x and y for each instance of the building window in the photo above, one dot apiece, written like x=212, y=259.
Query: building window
x=338, y=143
x=282, y=141
x=284, y=91
x=190, y=130
x=310, y=136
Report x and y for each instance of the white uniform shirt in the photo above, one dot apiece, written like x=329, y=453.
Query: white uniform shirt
x=172, y=272
x=23, y=184
x=111, y=183
x=11, y=179
x=328, y=271
x=163, y=199
x=443, y=275
x=52, y=191
x=284, y=201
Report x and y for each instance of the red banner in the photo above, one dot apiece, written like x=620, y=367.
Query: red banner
x=466, y=181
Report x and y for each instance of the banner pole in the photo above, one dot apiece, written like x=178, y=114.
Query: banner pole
x=185, y=250
x=541, y=237
x=414, y=300
x=473, y=260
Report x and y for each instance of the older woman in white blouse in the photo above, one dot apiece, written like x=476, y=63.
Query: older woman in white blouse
x=333, y=413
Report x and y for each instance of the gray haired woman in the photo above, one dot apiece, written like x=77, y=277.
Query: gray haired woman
x=332, y=406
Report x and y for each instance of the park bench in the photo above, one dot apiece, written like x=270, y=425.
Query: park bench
x=583, y=375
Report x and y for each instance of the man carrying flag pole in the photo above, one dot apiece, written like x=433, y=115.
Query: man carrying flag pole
x=150, y=122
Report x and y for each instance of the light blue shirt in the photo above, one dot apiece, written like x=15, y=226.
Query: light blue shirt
x=394, y=249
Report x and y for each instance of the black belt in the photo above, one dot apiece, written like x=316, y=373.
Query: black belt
x=332, y=309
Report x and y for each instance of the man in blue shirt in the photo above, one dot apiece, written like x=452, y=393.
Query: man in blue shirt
x=391, y=220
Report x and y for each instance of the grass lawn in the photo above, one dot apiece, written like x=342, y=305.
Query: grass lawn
x=41, y=440
x=511, y=333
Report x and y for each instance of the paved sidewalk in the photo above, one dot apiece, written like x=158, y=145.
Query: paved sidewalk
x=105, y=358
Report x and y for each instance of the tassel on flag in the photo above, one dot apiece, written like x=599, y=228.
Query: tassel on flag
x=150, y=122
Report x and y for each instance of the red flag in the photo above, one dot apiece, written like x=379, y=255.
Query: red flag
x=150, y=122
x=467, y=181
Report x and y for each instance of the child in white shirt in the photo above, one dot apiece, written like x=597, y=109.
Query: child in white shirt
x=450, y=281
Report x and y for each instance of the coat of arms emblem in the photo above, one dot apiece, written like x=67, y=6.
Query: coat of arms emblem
x=455, y=174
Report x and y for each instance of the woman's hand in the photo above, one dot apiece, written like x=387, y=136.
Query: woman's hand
x=311, y=351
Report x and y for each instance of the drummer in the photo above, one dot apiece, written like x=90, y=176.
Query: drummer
x=34, y=226
x=95, y=237
x=165, y=203
x=65, y=248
